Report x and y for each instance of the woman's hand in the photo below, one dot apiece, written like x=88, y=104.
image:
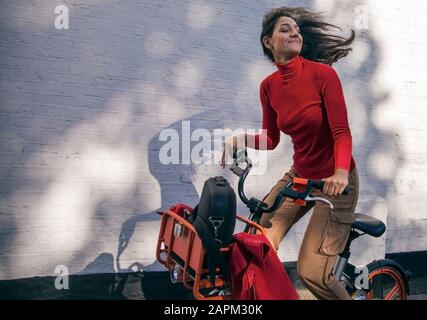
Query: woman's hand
x=230, y=146
x=336, y=184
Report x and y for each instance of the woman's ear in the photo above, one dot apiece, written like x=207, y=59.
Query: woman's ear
x=266, y=41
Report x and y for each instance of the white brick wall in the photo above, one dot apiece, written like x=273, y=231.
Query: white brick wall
x=81, y=111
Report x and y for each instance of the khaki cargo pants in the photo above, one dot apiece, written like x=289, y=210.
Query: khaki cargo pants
x=325, y=237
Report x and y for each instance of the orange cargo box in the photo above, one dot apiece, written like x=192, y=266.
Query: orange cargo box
x=180, y=250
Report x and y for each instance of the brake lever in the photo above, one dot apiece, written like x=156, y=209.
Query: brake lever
x=310, y=198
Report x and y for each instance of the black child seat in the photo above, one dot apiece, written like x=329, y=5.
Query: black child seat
x=214, y=219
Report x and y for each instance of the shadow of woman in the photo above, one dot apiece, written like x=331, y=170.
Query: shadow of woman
x=175, y=180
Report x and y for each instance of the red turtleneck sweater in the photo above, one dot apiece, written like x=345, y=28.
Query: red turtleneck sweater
x=305, y=100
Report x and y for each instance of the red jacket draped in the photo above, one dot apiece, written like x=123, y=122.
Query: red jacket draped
x=256, y=271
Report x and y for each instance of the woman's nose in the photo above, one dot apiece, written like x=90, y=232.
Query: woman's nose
x=294, y=33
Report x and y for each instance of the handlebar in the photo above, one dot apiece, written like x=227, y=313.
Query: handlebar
x=257, y=206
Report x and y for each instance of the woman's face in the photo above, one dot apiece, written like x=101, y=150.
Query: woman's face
x=286, y=40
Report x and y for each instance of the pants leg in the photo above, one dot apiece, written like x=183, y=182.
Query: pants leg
x=278, y=223
x=325, y=238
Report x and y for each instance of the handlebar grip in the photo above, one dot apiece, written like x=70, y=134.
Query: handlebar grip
x=318, y=184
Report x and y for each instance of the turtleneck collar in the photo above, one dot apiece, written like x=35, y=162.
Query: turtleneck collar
x=290, y=69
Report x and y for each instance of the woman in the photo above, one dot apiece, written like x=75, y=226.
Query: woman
x=304, y=99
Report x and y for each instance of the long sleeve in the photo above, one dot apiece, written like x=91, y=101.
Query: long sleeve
x=270, y=136
x=333, y=98
x=304, y=99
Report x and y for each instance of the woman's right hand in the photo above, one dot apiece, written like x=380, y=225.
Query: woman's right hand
x=229, y=147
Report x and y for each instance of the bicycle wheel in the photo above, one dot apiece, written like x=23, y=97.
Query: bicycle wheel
x=386, y=283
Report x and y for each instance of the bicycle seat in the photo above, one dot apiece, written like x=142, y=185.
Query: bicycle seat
x=368, y=224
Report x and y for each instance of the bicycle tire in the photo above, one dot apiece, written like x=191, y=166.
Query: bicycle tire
x=387, y=282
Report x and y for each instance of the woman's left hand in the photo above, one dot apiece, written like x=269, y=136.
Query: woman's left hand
x=336, y=184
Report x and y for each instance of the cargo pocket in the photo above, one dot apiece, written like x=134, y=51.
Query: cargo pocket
x=335, y=233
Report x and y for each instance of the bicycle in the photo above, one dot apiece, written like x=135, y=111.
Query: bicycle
x=387, y=280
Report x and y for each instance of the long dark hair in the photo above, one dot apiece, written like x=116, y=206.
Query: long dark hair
x=318, y=43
